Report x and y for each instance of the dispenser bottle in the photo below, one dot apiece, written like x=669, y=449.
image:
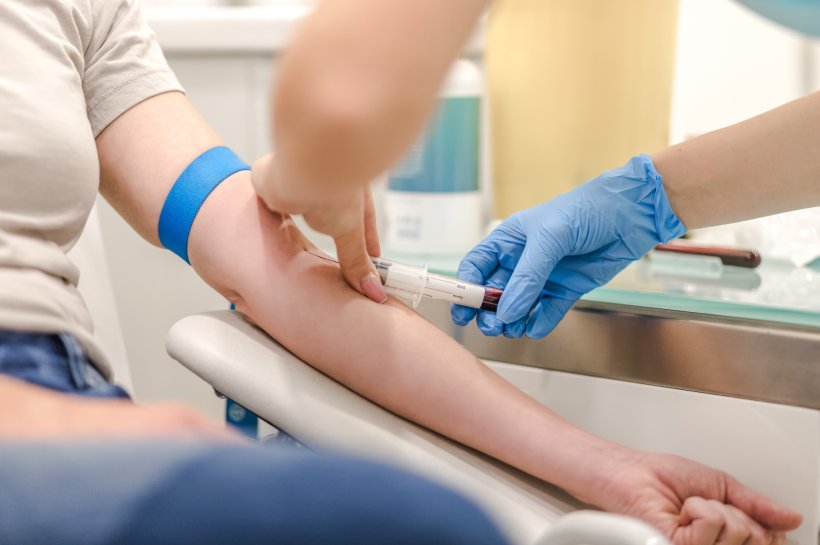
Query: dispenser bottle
x=433, y=205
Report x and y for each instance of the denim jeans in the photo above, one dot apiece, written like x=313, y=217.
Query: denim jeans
x=175, y=492
x=54, y=361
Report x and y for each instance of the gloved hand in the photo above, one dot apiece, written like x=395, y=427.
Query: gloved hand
x=548, y=256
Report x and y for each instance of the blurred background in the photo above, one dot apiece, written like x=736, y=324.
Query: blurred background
x=566, y=88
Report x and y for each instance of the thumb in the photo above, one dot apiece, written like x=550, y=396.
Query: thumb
x=761, y=508
x=357, y=268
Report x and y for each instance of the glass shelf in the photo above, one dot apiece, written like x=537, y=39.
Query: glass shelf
x=774, y=292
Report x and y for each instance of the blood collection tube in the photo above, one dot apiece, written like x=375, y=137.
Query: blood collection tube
x=738, y=257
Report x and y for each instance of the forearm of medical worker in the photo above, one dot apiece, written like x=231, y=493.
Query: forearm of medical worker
x=764, y=165
x=352, y=92
x=389, y=354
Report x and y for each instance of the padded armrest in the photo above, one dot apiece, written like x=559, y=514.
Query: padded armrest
x=248, y=366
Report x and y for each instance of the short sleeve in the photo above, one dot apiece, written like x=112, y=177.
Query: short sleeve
x=124, y=64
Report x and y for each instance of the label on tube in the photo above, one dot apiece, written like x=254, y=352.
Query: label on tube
x=454, y=291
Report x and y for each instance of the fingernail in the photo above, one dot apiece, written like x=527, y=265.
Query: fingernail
x=373, y=288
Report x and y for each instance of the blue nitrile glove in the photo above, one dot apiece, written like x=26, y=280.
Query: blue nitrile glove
x=548, y=256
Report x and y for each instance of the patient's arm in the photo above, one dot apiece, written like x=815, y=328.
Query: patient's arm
x=35, y=413
x=391, y=355
x=394, y=357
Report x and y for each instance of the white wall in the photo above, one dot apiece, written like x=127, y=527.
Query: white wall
x=731, y=64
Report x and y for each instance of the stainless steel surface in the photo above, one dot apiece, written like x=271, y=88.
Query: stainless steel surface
x=679, y=350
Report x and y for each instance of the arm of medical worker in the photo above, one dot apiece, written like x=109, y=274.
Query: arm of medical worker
x=353, y=90
x=548, y=256
x=389, y=354
x=764, y=165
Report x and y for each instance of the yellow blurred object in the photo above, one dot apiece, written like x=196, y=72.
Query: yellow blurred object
x=576, y=87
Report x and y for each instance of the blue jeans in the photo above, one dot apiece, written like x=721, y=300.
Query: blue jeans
x=165, y=492
x=55, y=361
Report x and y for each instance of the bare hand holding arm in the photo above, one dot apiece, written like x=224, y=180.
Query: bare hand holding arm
x=354, y=89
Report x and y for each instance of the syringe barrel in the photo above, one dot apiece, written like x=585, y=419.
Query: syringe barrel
x=404, y=281
x=414, y=283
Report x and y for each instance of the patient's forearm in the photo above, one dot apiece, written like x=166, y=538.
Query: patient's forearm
x=385, y=352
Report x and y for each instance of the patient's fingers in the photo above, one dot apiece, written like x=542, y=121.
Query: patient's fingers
x=761, y=508
x=699, y=524
x=710, y=522
x=779, y=538
x=739, y=529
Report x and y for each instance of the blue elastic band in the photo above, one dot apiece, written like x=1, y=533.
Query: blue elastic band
x=190, y=190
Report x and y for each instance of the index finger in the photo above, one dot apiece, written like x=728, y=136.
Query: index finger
x=479, y=263
x=476, y=267
x=356, y=266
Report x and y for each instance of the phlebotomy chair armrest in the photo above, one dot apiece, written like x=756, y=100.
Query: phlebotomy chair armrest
x=248, y=366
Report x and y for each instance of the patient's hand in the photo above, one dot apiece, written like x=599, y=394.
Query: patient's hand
x=31, y=413
x=693, y=504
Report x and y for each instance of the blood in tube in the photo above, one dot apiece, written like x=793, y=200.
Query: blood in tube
x=491, y=298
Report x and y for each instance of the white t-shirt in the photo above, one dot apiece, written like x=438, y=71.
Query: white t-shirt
x=68, y=68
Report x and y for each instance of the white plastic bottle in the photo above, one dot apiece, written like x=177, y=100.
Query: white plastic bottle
x=433, y=204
